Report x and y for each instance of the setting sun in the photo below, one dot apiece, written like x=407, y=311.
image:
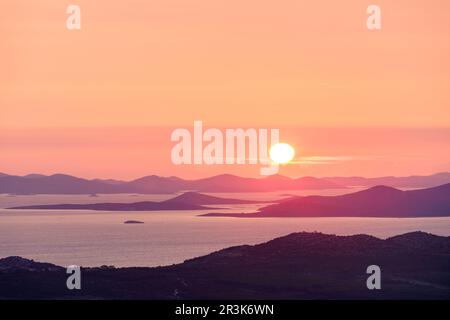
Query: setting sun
x=282, y=153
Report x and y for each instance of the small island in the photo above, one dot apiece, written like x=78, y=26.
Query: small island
x=133, y=222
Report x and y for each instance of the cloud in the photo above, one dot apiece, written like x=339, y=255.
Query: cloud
x=329, y=159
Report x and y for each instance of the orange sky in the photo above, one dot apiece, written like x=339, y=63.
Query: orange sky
x=140, y=64
x=131, y=152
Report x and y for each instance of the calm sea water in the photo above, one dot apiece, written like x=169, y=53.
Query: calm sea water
x=94, y=238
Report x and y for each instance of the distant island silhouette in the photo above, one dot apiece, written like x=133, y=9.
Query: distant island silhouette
x=379, y=201
x=185, y=201
x=133, y=222
x=297, y=266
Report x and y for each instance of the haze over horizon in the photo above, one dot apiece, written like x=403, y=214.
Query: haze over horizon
x=128, y=153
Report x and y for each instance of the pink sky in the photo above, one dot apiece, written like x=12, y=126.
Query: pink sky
x=131, y=152
x=101, y=101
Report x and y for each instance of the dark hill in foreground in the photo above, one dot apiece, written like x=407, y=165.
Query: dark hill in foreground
x=297, y=266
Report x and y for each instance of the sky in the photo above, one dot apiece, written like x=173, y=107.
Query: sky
x=102, y=101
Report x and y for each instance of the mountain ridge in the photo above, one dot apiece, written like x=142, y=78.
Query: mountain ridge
x=153, y=184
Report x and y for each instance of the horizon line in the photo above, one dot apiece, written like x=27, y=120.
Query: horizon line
x=222, y=174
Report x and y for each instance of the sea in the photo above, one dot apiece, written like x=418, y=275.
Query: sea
x=96, y=238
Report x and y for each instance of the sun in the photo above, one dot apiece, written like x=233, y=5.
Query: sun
x=281, y=153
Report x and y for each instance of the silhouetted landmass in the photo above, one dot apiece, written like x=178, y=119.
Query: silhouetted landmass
x=65, y=184
x=232, y=183
x=185, y=201
x=54, y=184
x=133, y=222
x=203, y=199
x=398, y=182
x=135, y=206
x=110, y=181
x=15, y=264
x=298, y=266
x=380, y=201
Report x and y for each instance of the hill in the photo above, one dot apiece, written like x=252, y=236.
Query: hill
x=66, y=184
x=379, y=201
x=297, y=266
x=185, y=201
